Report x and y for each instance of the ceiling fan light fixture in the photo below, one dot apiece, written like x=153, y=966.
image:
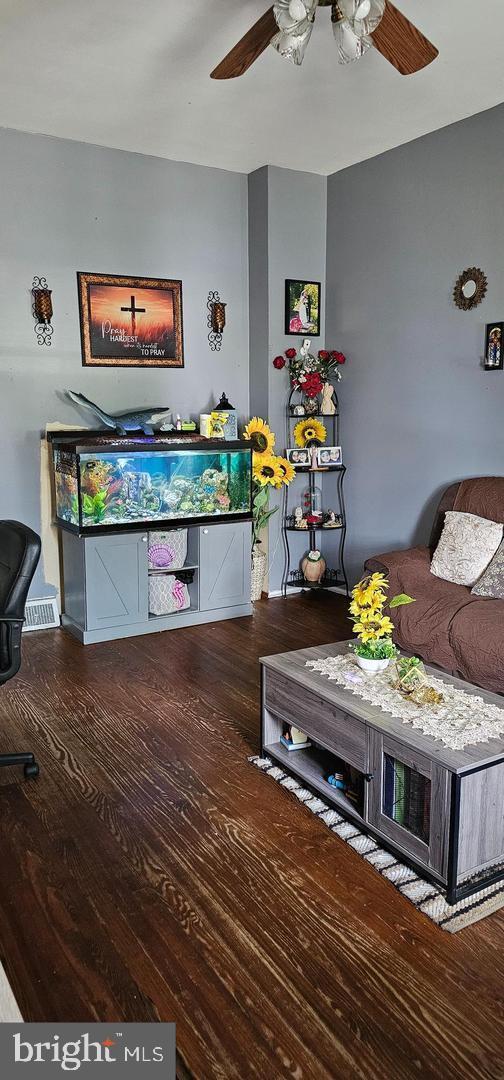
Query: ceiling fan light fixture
x=293, y=33
x=297, y=10
x=350, y=46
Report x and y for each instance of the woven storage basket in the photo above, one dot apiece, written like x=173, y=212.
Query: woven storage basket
x=167, y=550
x=167, y=594
x=259, y=563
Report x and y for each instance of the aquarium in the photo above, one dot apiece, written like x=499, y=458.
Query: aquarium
x=121, y=483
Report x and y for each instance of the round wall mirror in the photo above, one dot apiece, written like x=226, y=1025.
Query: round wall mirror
x=470, y=288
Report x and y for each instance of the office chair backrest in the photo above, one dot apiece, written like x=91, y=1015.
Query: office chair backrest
x=19, y=555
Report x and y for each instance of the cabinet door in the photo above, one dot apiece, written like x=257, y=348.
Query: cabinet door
x=116, y=580
x=409, y=801
x=225, y=558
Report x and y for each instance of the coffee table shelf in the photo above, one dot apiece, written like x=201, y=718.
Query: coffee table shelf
x=312, y=766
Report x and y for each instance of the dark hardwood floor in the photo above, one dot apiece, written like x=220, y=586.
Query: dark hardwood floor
x=152, y=873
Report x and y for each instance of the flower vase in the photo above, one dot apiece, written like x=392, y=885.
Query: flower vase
x=372, y=667
x=259, y=563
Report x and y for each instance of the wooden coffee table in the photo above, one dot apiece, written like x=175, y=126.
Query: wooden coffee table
x=440, y=810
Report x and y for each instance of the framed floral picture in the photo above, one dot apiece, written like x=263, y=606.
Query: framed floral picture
x=302, y=308
x=130, y=322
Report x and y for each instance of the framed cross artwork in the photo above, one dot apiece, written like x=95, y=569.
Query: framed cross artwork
x=130, y=322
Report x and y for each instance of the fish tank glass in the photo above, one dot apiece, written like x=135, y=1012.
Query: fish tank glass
x=105, y=487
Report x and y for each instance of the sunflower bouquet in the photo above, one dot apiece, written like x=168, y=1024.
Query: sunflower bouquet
x=269, y=470
x=372, y=626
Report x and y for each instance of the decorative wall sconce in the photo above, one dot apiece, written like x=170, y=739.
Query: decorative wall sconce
x=42, y=310
x=216, y=320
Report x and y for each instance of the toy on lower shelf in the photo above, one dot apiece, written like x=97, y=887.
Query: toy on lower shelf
x=292, y=738
x=337, y=780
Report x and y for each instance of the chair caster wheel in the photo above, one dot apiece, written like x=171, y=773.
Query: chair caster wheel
x=31, y=771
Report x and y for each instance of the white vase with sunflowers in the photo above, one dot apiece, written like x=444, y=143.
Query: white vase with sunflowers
x=269, y=470
x=374, y=648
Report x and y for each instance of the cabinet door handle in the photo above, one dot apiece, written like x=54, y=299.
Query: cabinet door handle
x=368, y=776
x=205, y=532
x=144, y=539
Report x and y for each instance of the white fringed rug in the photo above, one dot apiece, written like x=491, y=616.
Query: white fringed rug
x=424, y=895
x=9, y=1012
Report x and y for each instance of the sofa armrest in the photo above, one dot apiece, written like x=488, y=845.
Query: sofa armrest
x=392, y=560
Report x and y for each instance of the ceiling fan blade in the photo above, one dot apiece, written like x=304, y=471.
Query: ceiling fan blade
x=238, y=61
x=401, y=43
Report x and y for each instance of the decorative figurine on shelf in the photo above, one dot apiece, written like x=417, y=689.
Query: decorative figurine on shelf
x=313, y=457
x=141, y=420
x=333, y=521
x=299, y=521
x=298, y=410
x=313, y=567
x=328, y=406
x=178, y=422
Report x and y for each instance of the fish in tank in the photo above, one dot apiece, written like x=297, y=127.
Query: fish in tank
x=153, y=486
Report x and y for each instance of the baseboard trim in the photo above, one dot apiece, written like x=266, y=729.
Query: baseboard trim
x=275, y=593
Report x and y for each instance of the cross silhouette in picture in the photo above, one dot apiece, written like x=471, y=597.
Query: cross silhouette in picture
x=134, y=310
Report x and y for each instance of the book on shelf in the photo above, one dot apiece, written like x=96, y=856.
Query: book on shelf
x=292, y=738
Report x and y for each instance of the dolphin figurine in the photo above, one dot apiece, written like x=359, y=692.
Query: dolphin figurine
x=141, y=420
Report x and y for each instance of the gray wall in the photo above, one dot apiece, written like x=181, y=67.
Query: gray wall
x=418, y=410
x=289, y=208
x=68, y=206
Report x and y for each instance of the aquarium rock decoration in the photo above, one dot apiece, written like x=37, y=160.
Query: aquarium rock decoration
x=141, y=420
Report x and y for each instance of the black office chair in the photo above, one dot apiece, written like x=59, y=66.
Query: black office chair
x=19, y=555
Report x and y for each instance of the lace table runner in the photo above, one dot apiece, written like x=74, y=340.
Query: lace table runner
x=459, y=720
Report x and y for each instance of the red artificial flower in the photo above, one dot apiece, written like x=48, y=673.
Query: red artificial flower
x=338, y=357
x=290, y=353
x=323, y=354
x=279, y=363
x=312, y=384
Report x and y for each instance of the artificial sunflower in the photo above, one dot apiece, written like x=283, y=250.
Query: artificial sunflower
x=309, y=431
x=260, y=435
x=266, y=470
x=288, y=471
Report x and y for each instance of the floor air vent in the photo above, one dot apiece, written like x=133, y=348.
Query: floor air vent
x=41, y=614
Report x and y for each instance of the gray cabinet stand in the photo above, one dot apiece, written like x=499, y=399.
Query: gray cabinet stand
x=106, y=581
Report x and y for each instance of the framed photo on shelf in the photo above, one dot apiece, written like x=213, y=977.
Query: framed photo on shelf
x=298, y=457
x=130, y=322
x=302, y=308
x=329, y=456
x=494, y=346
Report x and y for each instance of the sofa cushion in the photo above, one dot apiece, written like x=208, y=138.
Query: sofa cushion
x=425, y=626
x=467, y=545
x=491, y=583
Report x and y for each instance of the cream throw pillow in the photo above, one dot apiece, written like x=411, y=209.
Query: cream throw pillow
x=468, y=544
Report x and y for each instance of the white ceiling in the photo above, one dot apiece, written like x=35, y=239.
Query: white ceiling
x=136, y=76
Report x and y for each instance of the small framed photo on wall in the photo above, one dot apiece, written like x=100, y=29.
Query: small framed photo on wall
x=302, y=308
x=329, y=456
x=494, y=346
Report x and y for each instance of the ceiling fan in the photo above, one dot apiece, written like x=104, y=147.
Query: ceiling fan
x=357, y=25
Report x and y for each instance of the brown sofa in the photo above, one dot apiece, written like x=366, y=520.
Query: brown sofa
x=447, y=626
